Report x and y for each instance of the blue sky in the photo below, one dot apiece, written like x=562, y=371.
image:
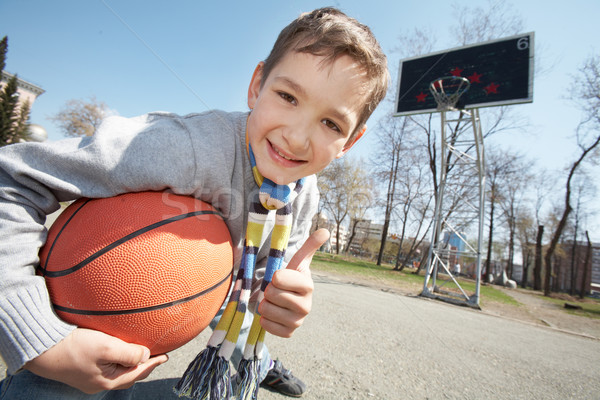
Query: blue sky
x=189, y=56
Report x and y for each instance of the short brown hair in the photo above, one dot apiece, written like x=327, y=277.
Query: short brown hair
x=330, y=33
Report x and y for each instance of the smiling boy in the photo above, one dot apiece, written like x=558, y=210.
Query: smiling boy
x=309, y=102
x=303, y=114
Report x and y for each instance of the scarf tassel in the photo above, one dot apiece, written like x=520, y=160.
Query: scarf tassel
x=248, y=373
x=207, y=377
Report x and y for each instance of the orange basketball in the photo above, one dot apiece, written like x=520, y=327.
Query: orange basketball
x=149, y=268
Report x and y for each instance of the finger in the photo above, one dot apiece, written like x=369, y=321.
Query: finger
x=128, y=376
x=296, y=304
x=302, y=258
x=291, y=281
x=290, y=314
x=277, y=328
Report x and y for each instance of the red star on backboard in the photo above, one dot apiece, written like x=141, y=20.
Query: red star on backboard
x=491, y=88
x=421, y=97
x=475, y=78
x=456, y=71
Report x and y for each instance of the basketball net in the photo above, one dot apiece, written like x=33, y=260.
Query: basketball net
x=447, y=92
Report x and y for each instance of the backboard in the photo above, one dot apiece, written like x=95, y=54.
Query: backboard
x=500, y=73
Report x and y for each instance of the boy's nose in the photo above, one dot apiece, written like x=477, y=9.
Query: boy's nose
x=298, y=138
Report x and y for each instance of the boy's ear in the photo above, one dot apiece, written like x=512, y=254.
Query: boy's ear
x=254, y=88
x=351, y=143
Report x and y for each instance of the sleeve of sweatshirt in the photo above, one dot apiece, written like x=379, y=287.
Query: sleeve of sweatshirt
x=126, y=155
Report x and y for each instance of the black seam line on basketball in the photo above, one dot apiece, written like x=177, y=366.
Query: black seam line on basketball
x=106, y=249
x=141, y=309
x=58, y=236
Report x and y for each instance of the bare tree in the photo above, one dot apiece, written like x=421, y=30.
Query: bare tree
x=81, y=118
x=362, y=202
x=586, y=87
x=478, y=24
x=543, y=184
x=394, y=139
x=501, y=166
x=413, y=193
x=585, y=93
x=584, y=190
x=526, y=236
x=537, y=269
x=514, y=189
x=345, y=187
x=586, y=265
x=333, y=197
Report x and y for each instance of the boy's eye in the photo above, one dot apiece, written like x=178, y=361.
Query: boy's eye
x=287, y=97
x=332, y=125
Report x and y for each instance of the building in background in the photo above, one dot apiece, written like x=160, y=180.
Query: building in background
x=455, y=246
x=321, y=221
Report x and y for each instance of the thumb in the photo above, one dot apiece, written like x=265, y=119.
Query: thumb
x=301, y=260
x=127, y=354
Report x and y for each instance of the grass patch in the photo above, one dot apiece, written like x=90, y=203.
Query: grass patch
x=490, y=293
x=354, y=267
x=589, y=307
x=405, y=280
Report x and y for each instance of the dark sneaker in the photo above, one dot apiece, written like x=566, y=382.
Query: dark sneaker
x=281, y=380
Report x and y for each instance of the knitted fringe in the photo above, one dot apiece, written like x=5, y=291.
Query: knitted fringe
x=207, y=377
x=220, y=382
x=248, y=373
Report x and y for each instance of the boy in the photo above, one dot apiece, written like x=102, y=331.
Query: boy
x=309, y=101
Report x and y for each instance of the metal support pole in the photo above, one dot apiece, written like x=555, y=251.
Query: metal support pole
x=431, y=272
x=466, y=157
x=481, y=174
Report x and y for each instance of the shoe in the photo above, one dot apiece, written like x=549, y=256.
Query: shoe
x=281, y=380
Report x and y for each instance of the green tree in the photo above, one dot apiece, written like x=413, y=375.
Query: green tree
x=14, y=117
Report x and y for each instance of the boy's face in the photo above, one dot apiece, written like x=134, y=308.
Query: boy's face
x=303, y=114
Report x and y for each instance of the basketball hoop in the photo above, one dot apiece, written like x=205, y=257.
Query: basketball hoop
x=447, y=91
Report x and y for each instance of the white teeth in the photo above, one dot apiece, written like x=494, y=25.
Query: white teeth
x=282, y=155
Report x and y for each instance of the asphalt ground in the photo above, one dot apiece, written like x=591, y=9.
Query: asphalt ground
x=365, y=343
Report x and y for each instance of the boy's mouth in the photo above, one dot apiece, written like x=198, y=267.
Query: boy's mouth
x=284, y=155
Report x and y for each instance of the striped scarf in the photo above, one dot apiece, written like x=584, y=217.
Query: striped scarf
x=208, y=375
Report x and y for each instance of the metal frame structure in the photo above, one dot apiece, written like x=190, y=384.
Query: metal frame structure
x=461, y=81
x=463, y=210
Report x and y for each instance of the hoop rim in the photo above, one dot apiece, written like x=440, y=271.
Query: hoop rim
x=447, y=100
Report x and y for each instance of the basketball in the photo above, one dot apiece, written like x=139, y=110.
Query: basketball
x=150, y=268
